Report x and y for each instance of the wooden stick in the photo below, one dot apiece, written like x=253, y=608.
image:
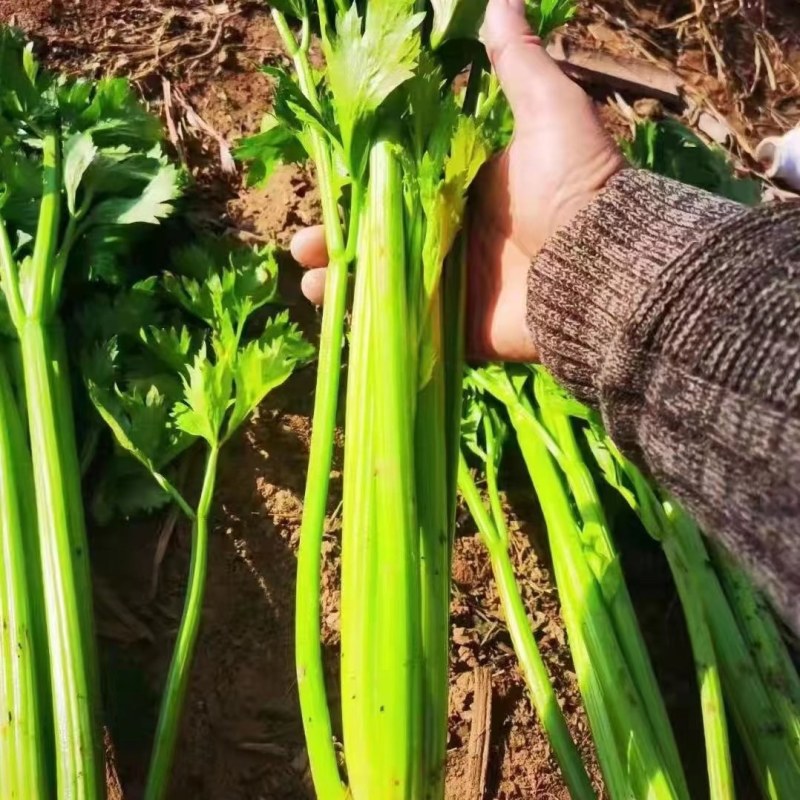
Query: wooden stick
x=480, y=734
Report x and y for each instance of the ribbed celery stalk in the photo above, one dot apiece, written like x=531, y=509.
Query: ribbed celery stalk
x=431, y=457
x=169, y=718
x=359, y=532
x=715, y=728
x=769, y=746
x=606, y=565
x=757, y=622
x=494, y=535
x=395, y=714
x=62, y=535
x=627, y=747
x=23, y=768
x=308, y=647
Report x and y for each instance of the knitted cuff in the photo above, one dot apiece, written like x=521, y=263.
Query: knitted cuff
x=591, y=275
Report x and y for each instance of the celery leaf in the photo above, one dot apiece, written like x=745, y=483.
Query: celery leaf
x=365, y=68
x=264, y=364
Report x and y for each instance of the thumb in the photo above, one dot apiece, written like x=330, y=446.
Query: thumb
x=528, y=75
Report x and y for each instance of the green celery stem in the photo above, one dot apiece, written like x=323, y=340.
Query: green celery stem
x=23, y=769
x=174, y=696
x=65, y=572
x=586, y=617
x=434, y=507
x=597, y=535
x=308, y=646
x=767, y=644
x=396, y=718
x=359, y=550
x=769, y=748
x=538, y=681
x=715, y=728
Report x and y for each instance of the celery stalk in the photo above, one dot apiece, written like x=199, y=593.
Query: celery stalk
x=757, y=622
x=309, y=658
x=769, y=747
x=495, y=537
x=65, y=570
x=606, y=565
x=359, y=533
x=395, y=717
x=431, y=469
x=168, y=727
x=23, y=770
x=633, y=750
x=62, y=535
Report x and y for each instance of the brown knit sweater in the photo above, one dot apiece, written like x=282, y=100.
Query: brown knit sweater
x=677, y=314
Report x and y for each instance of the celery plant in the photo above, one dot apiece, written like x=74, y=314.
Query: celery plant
x=725, y=660
x=80, y=168
x=483, y=434
x=188, y=369
x=24, y=771
x=629, y=746
x=395, y=153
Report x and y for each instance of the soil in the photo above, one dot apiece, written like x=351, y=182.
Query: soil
x=242, y=735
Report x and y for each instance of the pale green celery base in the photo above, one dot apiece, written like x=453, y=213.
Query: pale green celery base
x=23, y=766
x=769, y=747
x=757, y=622
x=596, y=534
x=174, y=695
x=633, y=751
x=65, y=570
x=541, y=690
x=390, y=737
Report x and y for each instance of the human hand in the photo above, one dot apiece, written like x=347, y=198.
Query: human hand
x=558, y=161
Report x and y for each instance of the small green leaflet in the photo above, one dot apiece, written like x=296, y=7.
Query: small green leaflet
x=462, y=19
x=264, y=152
x=173, y=347
x=547, y=16
x=139, y=420
x=207, y=388
x=264, y=364
x=125, y=490
x=153, y=205
x=444, y=181
x=79, y=153
x=229, y=295
x=114, y=115
x=365, y=68
x=283, y=138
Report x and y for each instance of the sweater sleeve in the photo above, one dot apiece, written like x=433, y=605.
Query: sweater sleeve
x=677, y=314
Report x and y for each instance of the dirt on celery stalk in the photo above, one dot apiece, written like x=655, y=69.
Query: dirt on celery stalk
x=242, y=735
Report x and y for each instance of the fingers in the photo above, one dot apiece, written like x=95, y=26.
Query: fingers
x=313, y=285
x=308, y=247
x=527, y=74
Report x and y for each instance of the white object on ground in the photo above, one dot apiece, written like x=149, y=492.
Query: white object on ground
x=780, y=156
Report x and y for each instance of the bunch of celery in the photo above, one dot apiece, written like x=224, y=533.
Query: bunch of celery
x=734, y=639
x=395, y=149
x=634, y=740
x=81, y=171
x=190, y=364
x=484, y=432
x=734, y=636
